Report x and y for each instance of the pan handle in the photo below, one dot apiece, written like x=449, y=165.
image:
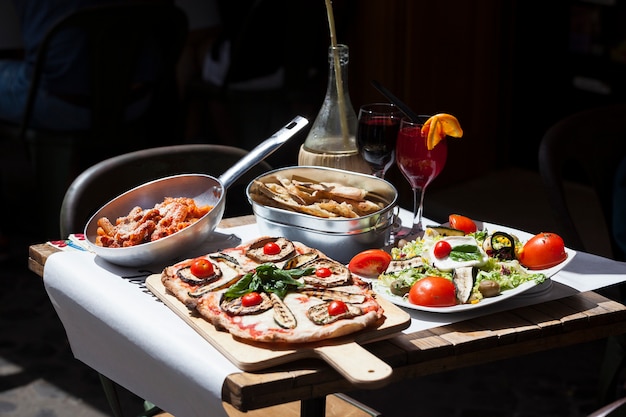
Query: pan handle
x=262, y=151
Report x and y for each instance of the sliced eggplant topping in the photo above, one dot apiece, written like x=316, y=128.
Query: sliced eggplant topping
x=399, y=264
x=447, y=231
x=340, y=274
x=319, y=314
x=463, y=279
x=282, y=315
x=185, y=275
x=330, y=294
x=224, y=257
x=257, y=253
x=226, y=281
x=299, y=260
x=229, y=274
x=235, y=308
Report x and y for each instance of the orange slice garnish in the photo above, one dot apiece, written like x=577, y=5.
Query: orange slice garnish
x=440, y=125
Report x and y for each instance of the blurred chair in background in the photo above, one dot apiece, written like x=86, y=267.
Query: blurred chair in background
x=590, y=145
x=615, y=409
x=131, y=50
x=93, y=187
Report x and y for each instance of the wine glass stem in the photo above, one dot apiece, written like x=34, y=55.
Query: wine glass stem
x=418, y=206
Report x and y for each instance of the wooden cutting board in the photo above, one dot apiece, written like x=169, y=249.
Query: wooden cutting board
x=345, y=353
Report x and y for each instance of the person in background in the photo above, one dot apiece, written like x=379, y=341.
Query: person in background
x=34, y=19
x=56, y=106
x=265, y=65
x=62, y=101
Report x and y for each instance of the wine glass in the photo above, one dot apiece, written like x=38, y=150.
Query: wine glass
x=418, y=165
x=377, y=131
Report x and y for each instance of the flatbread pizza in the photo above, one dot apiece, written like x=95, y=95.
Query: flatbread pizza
x=274, y=290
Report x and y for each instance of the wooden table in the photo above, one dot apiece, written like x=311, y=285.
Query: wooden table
x=576, y=319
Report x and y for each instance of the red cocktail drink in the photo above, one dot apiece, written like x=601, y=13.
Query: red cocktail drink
x=419, y=165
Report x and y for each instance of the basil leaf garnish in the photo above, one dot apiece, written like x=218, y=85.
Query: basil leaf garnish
x=269, y=278
x=465, y=253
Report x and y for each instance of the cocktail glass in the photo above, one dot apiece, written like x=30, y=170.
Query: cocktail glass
x=419, y=166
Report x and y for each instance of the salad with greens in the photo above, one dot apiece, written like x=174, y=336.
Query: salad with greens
x=473, y=266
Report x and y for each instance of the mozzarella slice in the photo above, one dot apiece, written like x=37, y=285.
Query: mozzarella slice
x=448, y=264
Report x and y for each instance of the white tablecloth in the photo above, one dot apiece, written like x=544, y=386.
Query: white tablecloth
x=117, y=327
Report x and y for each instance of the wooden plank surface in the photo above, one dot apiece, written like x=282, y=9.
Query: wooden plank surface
x=450, y=347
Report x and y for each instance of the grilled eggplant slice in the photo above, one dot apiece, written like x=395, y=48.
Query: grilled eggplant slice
x=256, y=253
x=398, y=265
x=229, y=274
x=235, y=308
x=282, y=315
x=329, y=294
x=447, y=231
x=319, y=314
x=340, y=274
x=300, y=260
x=185, y=275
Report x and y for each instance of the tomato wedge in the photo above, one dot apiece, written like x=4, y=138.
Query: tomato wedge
x=463, y=223
x=433, y=291
x=542, y=251
x=370, y=263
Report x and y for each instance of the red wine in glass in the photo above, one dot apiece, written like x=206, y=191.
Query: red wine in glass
x=376, y=136
x=419, y=165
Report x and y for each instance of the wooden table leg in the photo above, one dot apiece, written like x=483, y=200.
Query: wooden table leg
x=315, y=407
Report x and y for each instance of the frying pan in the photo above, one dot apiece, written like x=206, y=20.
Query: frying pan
x=204, y=189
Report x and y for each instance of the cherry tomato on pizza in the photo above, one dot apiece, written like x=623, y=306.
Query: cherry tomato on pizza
x=202, y=268
x=271, y=248
x=542, y=251
x=251, y=299
x=433, y=291
x=463, y=223
x=442, y=249
x=370, y=263
x=337, y=307
x=323, y=272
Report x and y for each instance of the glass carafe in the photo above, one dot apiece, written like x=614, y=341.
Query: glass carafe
x=331, y=142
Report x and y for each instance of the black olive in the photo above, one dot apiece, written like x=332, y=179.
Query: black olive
x=399, y=287
x=489, y=288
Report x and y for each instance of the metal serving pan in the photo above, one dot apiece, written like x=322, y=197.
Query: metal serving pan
x=339, y=238
x=204, y=189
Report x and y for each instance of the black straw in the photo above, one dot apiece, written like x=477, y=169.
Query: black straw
x=395, y=100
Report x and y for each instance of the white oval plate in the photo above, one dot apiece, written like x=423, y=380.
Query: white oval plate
x=505, y=295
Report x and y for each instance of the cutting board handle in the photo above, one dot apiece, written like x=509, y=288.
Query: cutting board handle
x=356, y=364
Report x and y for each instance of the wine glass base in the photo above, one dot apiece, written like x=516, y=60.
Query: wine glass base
x=407, y=235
